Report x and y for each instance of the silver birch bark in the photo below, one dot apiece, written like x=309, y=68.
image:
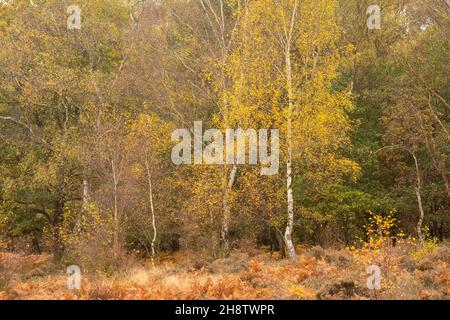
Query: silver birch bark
x=419, y=197
x=289, y=84
x=152, y=209
x=116, y=211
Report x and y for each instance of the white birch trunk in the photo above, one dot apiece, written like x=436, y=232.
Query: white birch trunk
x=116, y=211
x=419, y=198
x=84, y=207
x=227, y=212
x=152, y=208
x=290, y=199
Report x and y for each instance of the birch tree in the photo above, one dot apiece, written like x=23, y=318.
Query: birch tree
x=282, y=73
x=149, y=146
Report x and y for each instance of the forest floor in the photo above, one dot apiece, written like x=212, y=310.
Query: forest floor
x=407, y=273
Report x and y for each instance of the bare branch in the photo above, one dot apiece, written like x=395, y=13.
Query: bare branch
x=29, y=128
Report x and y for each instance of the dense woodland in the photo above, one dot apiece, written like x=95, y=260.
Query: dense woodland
x=86, y=118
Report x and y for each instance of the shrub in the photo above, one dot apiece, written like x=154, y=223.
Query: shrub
x=92, y=245
x=302, y=293
x=424, y=249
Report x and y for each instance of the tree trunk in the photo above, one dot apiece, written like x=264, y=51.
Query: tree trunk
x=438, y=163
x=35, y=246
x=116, y=212
x=419, y=198
x=85, y=194
x=152, y=208
x=290, y=199
x=84, y=208
x=290, y=91
x=227, y=213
